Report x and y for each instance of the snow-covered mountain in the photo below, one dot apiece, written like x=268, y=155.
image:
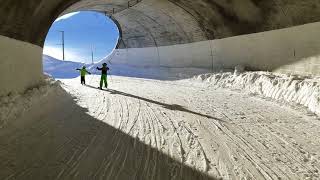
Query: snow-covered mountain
x=66, y=69
x=60, y=69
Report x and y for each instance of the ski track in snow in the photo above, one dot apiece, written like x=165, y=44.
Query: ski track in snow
x=176, y=131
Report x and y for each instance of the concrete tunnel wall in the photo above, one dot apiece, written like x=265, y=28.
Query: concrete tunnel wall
x=292, y=50
x=171, y=25
x=20, y=65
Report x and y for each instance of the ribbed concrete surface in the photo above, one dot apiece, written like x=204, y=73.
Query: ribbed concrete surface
x=291, y=50
x=161, y=22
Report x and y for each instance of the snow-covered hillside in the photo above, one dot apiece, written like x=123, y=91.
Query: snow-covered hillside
x=60, y=69
x=66, y=69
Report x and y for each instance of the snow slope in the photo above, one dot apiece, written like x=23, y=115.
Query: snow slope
x=302, y=90
x=143, y=128
x=66, y=69
x=151, y=129
x=60, y=69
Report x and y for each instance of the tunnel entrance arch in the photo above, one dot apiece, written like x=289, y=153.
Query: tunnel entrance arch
x=78, y=39
x=83, y=31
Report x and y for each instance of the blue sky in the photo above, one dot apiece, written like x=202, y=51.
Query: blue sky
x=82, y=31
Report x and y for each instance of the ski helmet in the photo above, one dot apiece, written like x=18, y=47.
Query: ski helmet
x=104, y=64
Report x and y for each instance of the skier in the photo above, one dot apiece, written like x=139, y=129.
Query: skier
x=83, y=73
x=103, y=70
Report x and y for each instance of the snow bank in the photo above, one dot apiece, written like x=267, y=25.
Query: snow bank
x=15, y=104
x=302, y=90
x=20, y=65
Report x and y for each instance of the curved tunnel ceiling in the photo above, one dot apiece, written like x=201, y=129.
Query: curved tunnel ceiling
x=149, y=23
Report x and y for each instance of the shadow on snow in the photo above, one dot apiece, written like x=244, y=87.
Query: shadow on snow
x=61, y=141
x=174, y=107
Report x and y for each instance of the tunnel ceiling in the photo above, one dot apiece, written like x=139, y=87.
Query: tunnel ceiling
x=149, y=23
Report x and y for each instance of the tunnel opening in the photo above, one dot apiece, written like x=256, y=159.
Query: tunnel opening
x=222, y=125
x=167, y=34
x=78, y=39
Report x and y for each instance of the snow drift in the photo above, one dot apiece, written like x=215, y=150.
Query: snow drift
x=302, y=90
x=15, y=104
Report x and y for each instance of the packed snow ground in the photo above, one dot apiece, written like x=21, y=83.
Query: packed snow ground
x=151, y=129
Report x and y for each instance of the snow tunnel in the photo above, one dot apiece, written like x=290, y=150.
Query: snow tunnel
x=264, y=35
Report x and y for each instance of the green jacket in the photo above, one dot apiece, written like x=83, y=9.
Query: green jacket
x=83, y=72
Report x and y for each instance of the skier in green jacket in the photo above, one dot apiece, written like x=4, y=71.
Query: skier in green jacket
x=103, y=79
x=83, y=73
